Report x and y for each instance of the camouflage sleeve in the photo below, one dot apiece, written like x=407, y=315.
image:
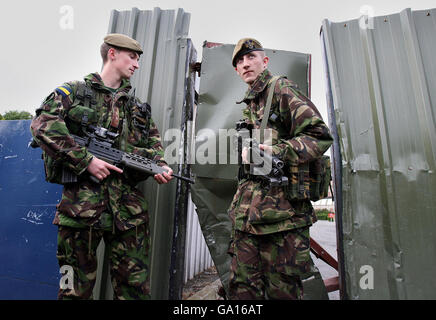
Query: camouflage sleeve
x=154, y=144
x=309, y=135
x=52, y=135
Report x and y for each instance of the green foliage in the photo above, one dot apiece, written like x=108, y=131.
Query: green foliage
x=16, y=115
x=322, y=214
x=1, y=117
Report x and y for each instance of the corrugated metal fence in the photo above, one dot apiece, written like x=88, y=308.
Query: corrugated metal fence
x=197, y=255
x=382, y=103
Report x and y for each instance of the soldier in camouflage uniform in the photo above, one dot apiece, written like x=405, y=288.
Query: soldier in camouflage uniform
x=270, y=245
x=113, y=209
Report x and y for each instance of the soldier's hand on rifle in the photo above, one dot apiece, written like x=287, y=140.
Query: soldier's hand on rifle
x=266, y=148
x=245, y=152
x=101, y=169
x=244, y=155
x=164, y=177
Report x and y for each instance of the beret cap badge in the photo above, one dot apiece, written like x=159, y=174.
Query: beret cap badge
x=245, y=46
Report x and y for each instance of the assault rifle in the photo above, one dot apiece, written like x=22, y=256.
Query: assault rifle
x=275, y=177
x=99, y=143
x=262, y=165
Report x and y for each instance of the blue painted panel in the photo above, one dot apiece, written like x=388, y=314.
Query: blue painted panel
x=28, y=239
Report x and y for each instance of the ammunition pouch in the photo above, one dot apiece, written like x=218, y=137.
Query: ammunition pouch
x=309, y=180
x=320, y=175
x=299, y=186
x=141, y=115
x=79, y=117
x=85, y=95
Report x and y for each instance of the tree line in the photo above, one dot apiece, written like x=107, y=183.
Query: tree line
x=16, y=115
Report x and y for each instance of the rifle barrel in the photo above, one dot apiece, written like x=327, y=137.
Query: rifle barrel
x=183, y=178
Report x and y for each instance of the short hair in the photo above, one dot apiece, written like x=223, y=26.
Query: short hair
x=104, y=49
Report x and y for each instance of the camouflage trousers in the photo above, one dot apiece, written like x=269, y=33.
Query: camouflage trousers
x=128, y=261
x=269, y=266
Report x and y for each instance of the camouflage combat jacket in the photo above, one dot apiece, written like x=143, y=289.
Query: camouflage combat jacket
x=115, y=201
x=298, y=135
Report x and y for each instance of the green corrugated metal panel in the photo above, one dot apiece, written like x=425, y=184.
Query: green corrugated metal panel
x=382, y=103
x=220, y=88
x=162, y=80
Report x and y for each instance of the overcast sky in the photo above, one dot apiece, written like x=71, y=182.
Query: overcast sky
x=40, y=49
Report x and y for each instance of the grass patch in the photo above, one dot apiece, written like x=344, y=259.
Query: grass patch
x=322, y=214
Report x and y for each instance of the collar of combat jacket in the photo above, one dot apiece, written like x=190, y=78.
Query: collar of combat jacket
x=257, y=87
x=94, y=79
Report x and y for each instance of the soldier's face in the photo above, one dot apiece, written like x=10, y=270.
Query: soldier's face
x=250, y=65
x=126, y=62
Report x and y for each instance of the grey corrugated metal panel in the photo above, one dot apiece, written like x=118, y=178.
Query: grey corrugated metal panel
x=165, y=67
x=160, y=81
x=190, y=242
x=195, y=241
x=197, y=256
x=383, y=86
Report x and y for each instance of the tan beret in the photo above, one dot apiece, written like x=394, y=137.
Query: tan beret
x=122, y=41
x=245, y=46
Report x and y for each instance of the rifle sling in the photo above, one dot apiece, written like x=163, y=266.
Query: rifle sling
x=267, y=109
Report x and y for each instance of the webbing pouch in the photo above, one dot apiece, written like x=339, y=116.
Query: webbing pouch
x=85, y=95
x=310, y=180
x=80, y=117
x=299, y=186
x=320, y=177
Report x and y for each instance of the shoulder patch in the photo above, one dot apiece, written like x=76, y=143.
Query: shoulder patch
x=63, y=90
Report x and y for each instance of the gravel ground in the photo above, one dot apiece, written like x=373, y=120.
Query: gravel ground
x=199, y=282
